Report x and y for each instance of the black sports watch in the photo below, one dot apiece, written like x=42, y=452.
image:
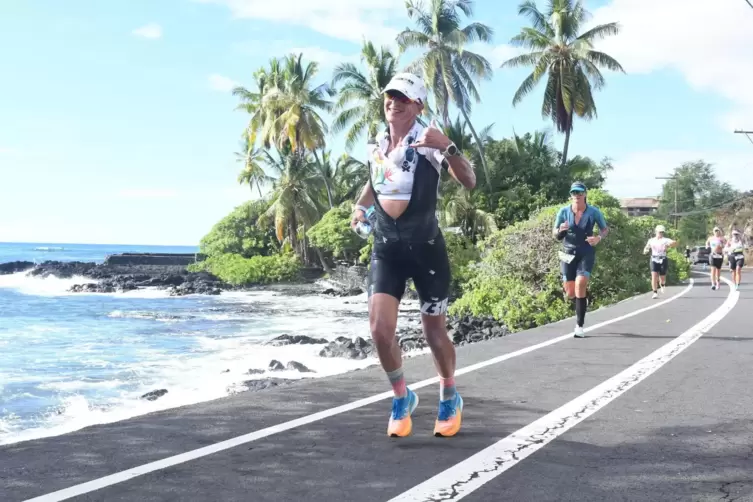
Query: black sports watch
x=451, y=150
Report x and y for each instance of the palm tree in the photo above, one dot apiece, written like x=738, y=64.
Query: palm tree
x=567, y=58
x=293, y=196
x=295, y=106
x=252, y=158
x=351, y=175
x=365, y=90
x=327, y=175
x=449, y=69
x=462, y=209
x=285, y=107
x=252, y=102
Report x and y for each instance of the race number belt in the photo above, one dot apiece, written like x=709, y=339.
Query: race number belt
x=739, y=256
x=658, y=259
x=716, y=255
x=567, y=258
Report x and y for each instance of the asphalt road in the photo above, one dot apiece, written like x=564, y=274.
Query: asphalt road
x=653, y=405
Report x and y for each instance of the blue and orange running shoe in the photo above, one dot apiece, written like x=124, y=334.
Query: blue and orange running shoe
x=450, y=417
x=401, y=424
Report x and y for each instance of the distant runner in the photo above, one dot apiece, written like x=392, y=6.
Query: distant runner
x=715, y=243
x=574, y=227
x=405, y=167
x=735, y=250
x=659, y=261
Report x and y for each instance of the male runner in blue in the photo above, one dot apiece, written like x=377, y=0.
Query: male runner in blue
x=574, y=227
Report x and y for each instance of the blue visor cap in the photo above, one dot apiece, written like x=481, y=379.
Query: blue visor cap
x=577, y=187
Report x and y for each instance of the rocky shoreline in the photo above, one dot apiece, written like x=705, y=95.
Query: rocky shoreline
x=461, y=330
x=123, y=278
x=176, y=279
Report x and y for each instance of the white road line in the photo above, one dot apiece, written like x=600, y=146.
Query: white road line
x=469, y=475
x=140, y=470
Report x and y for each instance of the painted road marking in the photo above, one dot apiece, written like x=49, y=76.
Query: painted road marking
x=120, y=477
x=471, y=474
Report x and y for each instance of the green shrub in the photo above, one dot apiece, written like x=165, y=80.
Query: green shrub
x=462, y=255
x=333, y=233
x=238, y=233
x=239, y=271
x=364, y=255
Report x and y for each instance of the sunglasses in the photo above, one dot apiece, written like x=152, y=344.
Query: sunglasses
x=399, y=97
x=577, y=193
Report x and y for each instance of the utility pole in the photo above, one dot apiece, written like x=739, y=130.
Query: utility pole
x=671, y=178
x=746, y=133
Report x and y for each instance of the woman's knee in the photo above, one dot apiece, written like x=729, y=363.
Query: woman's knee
x=383, y=310
x=569, y=288
x=581, y=286
x=435, y=328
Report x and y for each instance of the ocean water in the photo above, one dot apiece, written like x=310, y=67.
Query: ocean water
x=39, y=252
x=70, y=360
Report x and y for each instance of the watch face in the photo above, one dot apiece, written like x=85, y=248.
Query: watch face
x=452, y=150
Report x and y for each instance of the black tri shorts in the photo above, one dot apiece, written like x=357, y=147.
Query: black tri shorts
x=581, y=263
x=716, y=260
x=659, y=264
x=736, y=260
x=427, y=263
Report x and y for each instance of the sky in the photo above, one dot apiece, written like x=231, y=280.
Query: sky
x=117, y=124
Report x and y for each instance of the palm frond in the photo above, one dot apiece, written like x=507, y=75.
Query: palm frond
x=538, y=20
x=600, y=32
x=604, y=60
x=532, y=39
x=478, y=32
x=409, y=39
x=530, y=59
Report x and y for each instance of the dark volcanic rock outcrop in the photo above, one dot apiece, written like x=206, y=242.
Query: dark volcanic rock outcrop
x=101, y=278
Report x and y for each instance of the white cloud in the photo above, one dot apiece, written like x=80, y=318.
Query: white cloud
x=147, y=193
x=710, y=45
x=325, y=58
x=222, y=83
x=342, y=19
x=7, y=151
x=151, y=30
x=634, y=175
x=495, y=54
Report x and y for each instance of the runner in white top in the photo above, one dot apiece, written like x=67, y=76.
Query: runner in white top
x=735, y=250
x=715, y=245
x=659, y=262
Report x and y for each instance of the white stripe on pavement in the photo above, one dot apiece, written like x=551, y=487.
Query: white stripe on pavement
x=469, y=475
x=119, y=477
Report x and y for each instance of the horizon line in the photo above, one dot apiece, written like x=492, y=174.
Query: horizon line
x=97, y=244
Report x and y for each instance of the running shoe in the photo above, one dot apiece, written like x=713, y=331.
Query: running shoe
x=449, y=417
x=579, y=333
x=401, y=424
x=655, y=295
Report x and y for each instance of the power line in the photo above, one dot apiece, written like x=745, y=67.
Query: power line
x=712, y=208
x=737, y=131
x=748, y=2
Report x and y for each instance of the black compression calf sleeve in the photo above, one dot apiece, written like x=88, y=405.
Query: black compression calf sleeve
x=580, y=310
x=561, y=235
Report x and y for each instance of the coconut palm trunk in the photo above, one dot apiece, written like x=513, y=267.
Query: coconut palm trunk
x=480, y=147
